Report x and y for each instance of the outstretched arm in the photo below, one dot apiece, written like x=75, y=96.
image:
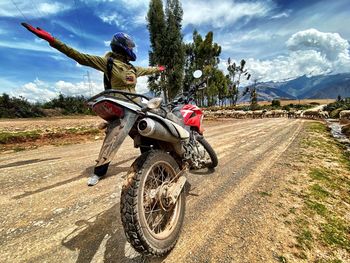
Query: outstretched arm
x=140, y=71
x=96, y=62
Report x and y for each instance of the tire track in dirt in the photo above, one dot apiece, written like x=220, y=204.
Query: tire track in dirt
x=209, y=219
x=205, y=187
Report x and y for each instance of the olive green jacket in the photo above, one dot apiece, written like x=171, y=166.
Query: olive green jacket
x=124, y=74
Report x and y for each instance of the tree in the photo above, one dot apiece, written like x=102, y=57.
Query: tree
x=157, y=29
x=174, y=48
x=234, y=76
x=204, y=54
x=166, y=46
x=253, y=99
x=254, y=96
x=276, y=103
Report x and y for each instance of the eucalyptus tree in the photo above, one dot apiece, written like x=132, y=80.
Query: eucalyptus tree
x=167, y=47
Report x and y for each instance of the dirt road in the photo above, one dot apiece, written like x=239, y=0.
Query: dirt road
x=48, y=214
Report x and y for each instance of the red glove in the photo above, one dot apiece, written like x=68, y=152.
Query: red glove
x=161, y=68
x=39, y=32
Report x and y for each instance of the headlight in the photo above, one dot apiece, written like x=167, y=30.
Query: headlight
x=154, y=103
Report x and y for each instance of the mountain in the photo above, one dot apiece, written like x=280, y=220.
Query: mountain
x=304, y=87
x=267, y=92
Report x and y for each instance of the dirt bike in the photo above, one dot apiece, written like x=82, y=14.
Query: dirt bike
x=171, y=141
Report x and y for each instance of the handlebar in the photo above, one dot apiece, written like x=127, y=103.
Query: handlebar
x=188, y=97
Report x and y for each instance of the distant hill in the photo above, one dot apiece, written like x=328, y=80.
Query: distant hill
x=315, y=87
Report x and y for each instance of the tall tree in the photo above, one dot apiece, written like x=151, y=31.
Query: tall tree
x=166, y=46
x=174, y=47
x=157, y=29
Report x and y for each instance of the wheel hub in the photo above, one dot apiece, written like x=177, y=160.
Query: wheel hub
x=164, y=200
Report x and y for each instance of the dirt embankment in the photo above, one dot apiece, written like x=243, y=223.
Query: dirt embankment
x=23, y=134
x=279, y=194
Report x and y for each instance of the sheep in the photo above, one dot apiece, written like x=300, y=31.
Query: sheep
x=311, y=114
x=324, y=114
x=291, y=114
x=344, y=115
x=240, y=114
x=249, y=114
x=269, y=114
x=258, y=114
x=298, y=113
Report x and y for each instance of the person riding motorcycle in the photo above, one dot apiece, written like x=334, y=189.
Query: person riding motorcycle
x=119, y=73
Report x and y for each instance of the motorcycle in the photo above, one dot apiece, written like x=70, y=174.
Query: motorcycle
x=170, y=138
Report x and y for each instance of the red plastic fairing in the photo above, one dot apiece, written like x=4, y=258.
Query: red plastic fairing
x=108, y=110
x=192, y=116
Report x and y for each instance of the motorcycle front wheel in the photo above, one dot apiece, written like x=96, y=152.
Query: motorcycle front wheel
x=152, y=224
x=213, y=162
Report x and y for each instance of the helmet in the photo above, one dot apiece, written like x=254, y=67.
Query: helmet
x=123, y=42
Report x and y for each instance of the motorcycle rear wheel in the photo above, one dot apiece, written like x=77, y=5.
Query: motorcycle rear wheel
x=152, y=226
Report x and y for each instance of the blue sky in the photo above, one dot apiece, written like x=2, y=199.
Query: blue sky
x=279, y=39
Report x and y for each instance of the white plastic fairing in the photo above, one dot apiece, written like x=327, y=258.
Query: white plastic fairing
x=183, y=133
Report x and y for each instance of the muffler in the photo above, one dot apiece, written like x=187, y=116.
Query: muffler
x=149, y=128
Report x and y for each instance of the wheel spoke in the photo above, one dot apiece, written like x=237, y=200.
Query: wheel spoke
x=157, y=213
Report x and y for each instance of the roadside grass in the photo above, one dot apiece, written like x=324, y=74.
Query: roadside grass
x=18, y=141
x=15, y=137
x=321, y=224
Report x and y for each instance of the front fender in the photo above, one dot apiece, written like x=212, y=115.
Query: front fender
x=116, y=133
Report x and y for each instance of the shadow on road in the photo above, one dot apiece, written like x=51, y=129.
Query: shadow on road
x=20, y=163
x=103, y=237
x=114, y=169
x=203, y=171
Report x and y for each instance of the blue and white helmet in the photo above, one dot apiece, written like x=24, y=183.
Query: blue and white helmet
x=123, y=41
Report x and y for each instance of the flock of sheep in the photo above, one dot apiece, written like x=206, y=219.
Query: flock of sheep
x=259, y=114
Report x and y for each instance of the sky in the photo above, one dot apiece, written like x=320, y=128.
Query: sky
x=279, y=39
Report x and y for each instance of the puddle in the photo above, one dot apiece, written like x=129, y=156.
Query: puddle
x=335, y=127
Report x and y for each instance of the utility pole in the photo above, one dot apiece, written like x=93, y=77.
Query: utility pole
x=89, y=82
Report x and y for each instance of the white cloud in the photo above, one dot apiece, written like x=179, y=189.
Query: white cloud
x=41, y=91
x=330, y=44
x=78, y=89
x=52, y=8
x=37, y=46
x=114, y=19
x=222, y=13
x=59, y=57
x=35, y=91
x=311, y=52
x=142, y=85
x=132, y=4
x=31, y=9
x=281, y=15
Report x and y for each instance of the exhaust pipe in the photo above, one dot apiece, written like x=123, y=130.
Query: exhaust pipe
x=149, y=128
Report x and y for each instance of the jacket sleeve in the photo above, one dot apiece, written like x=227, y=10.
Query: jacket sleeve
x=96, y=62
x=140, y=71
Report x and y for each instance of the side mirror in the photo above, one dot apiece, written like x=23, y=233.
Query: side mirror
x=197, y=74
